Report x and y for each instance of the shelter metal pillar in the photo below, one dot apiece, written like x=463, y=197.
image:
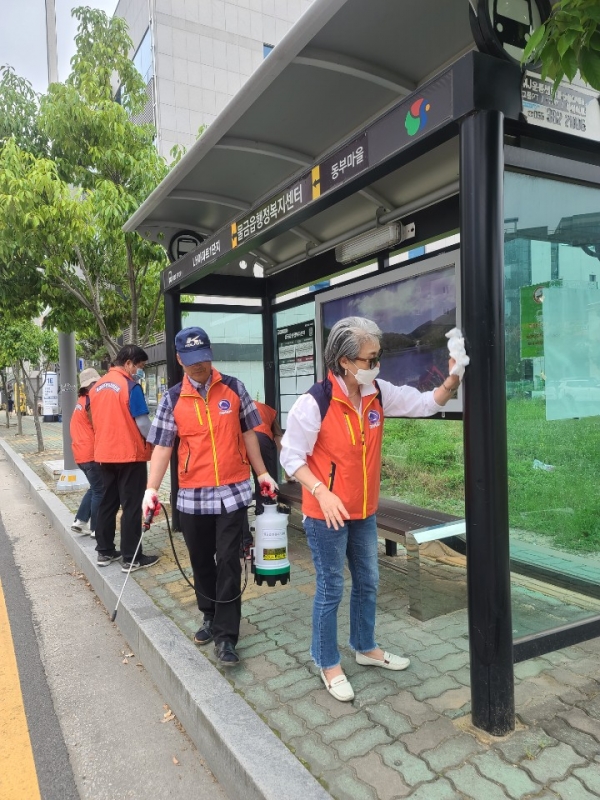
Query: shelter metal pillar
x=174, y=375
x=486, y=474
x=268, y=348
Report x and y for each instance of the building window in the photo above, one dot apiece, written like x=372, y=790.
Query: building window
x=143, y=58
x=267, y=49
x=592, y=278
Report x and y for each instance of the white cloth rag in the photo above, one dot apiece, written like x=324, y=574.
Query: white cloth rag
x=456, y=348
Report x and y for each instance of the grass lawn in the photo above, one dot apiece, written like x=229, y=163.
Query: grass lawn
x=423, y=465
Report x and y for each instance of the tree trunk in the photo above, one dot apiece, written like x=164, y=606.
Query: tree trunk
x=5, y=393
x=17, y=399
x=36, y=417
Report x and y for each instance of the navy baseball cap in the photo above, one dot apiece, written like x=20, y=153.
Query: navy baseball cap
x=193, y=345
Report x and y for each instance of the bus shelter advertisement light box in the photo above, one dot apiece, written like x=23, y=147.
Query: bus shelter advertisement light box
x=415, y=306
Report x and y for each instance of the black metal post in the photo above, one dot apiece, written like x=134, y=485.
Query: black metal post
x=174, y=375
x=268, y=347
x=486, y=475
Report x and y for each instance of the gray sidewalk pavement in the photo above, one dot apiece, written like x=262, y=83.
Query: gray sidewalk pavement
x=406, y=734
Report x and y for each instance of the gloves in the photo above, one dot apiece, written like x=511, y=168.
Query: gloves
x=456, y=348
x=266, y=482
x=150, y=503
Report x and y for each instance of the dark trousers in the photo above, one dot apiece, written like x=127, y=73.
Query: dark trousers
x=124, y=485
x=207, y=535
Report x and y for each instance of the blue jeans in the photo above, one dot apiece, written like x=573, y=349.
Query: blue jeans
x=356, y=540
x=88, y=508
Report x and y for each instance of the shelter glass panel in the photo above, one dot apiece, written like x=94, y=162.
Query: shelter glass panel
x=237, y=345
x=552, y=323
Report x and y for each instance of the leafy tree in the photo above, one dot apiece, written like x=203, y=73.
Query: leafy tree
x=26, y=342
x=568, y=42
x=19, y=282
x=19, y=106
x=61, y=217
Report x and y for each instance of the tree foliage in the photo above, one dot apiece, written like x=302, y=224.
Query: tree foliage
x=63, y=204
x=568, y=42
x=22, y=342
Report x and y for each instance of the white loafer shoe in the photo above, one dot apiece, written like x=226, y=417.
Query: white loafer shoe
x=339, y=687
x=388, y=661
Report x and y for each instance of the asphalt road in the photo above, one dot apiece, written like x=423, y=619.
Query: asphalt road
x=98, y=728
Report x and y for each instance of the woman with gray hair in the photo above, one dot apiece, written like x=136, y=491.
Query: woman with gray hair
x=332, y=446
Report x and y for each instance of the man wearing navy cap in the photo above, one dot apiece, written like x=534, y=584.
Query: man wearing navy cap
x=214, y=417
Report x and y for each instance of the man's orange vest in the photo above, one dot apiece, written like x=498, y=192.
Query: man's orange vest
x=267, y=415
x=82, y=433
x=347, y=453
x=117, y=437
x=212, y=451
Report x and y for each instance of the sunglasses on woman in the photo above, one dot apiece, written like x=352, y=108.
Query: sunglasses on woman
x=372, y=362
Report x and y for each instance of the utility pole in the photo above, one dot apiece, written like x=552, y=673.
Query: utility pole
x=71, y=477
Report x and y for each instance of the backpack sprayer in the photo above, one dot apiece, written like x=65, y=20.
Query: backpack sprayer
x=270, y=561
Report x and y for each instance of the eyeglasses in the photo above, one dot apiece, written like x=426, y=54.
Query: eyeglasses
x=372, y=362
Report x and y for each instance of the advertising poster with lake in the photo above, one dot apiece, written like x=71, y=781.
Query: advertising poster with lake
x=414, y=314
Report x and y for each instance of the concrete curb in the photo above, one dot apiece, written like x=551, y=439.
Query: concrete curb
x=244, y=754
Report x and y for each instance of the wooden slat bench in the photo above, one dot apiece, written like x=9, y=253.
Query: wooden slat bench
x=431, y=592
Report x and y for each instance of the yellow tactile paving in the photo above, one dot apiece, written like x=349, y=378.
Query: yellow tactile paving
x=18, y=778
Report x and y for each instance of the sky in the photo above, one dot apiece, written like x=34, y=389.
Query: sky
x=23, y=36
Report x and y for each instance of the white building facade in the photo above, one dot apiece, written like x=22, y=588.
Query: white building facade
x=195, y=55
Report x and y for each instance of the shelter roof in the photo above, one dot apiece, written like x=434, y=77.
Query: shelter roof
x=342, y=65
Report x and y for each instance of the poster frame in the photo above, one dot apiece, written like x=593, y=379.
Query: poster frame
x=393, y=275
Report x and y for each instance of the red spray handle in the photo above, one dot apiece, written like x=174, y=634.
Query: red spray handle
x=266, y=491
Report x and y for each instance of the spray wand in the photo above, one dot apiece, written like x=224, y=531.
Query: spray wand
x=152, y=512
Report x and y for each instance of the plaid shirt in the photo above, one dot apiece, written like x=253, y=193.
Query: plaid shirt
x=208, y=499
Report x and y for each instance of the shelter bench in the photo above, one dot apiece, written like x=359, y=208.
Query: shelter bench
x=432, y=590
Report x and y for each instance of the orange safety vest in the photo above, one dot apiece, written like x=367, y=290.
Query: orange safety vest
x=82, y=433
x=267, y=415
x=117, y=437
x=347, y=453
x=211, y=451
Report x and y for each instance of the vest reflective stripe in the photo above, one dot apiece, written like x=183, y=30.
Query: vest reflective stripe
x=117, y=437
x=211, y=445
x=82, y=433
x=347, y=455
x=267, y=415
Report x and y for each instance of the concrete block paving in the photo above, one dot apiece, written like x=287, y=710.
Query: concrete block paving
x=406, y=734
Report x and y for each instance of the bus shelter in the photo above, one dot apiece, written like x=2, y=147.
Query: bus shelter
x=343, y=174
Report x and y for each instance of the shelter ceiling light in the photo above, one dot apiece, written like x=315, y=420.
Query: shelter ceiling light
x=366, y=244
x=258, y=270
x=243, y=264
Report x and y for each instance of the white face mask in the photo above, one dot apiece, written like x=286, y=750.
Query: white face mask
x=365, y=377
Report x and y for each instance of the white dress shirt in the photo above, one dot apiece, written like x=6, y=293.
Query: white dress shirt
x=304, y=417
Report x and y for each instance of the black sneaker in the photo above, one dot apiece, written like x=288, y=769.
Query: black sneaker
x=204, y=635
x=104, y=559
x=139, y=563
x=226, y=655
